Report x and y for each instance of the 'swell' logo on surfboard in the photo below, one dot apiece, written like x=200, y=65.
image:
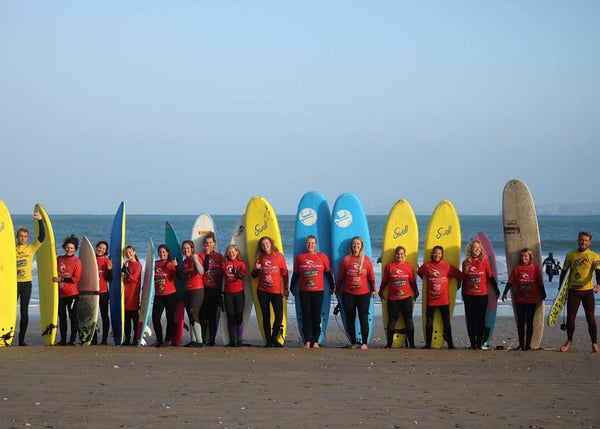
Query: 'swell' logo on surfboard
x=260, y=228
x=399, y=232
x=442, y=231
x=343, y=218
x=308, y=217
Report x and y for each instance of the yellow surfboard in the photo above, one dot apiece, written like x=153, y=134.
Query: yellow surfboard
x=8, y=277
x=260, y=222
x=48, y=289
x=401, y=229
x=443, y=230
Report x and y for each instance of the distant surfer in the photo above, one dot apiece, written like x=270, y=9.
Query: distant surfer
x=25, y=254
x=105, y=273
x=552, y=266
x=165, y=295
x=399, y=279
x=583, y=265
x=356, y=284
x=311, y=271
x=193, y=290
x=438, y=272
x=212, y=262
x=132, y=285
x=234, y=271
x=69, y=273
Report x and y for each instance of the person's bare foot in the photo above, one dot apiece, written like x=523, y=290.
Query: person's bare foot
x=315, y=345
x=595, y=348
x=364, y=347
x=566, y=346
x=354, y=346
x=307, y=345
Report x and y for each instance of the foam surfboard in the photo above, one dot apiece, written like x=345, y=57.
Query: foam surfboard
x=202, y=226
x=261, y=221
x=443, y=230
x=89, y=295
x=401, y=229
x=559, y=302
x=47, y=270
x=349, y=220
x=8, y=278
x=239, y=239
x=521, y=231
x=172, y=242
x=492, y=305
x=116, y=296
x=313, y=217
x=147, y=295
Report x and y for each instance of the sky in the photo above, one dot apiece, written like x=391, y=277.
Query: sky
x=189, y=106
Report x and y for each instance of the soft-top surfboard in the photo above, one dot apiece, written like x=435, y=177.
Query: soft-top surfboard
x=116, y=295
x=401, y=229
x=349, y=220
x=8, y=277
x=172, y=242
x=238, y=238
x=89, y=295
x=313, y=217
x=492, y=305
x=559, y=302
x=147, y=295
x=443, y=230
x=261, y=221
x=521, y=231
x=47, y=270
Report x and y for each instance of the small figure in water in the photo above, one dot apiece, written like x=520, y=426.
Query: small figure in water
x=552, y=266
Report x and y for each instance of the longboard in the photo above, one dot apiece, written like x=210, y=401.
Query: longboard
x=147, y=295
x=89, y=295
x=521, y=231
x=115, y=290
x=47, y=270
x=313, y=217
x=492, y=305
x=559, y=301
x=443, y=230
x=401, y=229
x=172, y=242
x=349, y=220
x=261, y=221
x=8, y=278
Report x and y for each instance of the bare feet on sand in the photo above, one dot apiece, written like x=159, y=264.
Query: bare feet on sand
x=595, y=348
x=566, y=346
x=364, y=347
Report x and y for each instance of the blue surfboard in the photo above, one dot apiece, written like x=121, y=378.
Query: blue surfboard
x=172, y=242
x=117, y=243
x=313, y=218
x=349, y=220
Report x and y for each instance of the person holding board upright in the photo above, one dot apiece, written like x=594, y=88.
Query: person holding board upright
x=584, y=265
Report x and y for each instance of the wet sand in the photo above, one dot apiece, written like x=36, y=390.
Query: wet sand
x=219, y=387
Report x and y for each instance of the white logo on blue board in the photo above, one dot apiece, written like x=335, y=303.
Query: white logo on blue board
x=343, y=218
x=308, y=217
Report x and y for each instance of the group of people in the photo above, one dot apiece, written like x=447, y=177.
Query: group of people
x=212, y=281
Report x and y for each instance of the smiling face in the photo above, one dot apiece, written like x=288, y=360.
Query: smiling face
x=130, y=253
x=209, y=244
x=400, y=255
x=69, y=249
x=163, y=254
x=232, y=253
x=584, y=242
x=101, y=249
x=476, y=250
x=187, y=250
x=356, y=246
x=310, y=245
x=437, y=255
x=525, y=258
x=265, y=245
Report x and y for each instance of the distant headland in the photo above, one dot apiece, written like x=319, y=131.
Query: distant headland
x=582, y=209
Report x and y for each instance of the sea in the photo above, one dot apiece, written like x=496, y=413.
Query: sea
x=558, y=235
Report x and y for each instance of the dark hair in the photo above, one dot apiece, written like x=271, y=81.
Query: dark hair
x=191, y=243
x=436, y=248
x=72, y=239
x=210, y=234
x=164, y=246
x=102, y=242
x=586, y=233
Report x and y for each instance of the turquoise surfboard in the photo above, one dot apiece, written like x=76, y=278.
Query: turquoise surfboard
x=147, y=294
x=492, y=305
x=172, y=242
x=349, y=220
x=313, y=218
x=117, y=243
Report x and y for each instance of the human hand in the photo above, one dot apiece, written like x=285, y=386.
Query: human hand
x=37, y=216
x=504, y=298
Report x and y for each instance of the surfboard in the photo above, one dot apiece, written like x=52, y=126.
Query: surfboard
x=443, y=230
x=202, y=226
x=147, y=295
x=8, y=277
x=349, y=220
x=313, y=217
x=521, y=231
x=47, y=270
x=115, y=290
x=261, y=221
x=172, y=242
x=238, y=238
x=89, y=295
x=401, y=229
x=559, y=302
x=492, y=305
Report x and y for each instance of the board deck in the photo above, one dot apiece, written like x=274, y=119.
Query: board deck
x=147, y=295
x=8, y=278
x=559, y=302
x=492, y=305
x=172, y=242
x=115, y=290
x=89, y=295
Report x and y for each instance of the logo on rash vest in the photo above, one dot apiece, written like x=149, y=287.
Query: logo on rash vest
x=343, y=218
x=308, y=217
x=400, y=232
x=398, y=271
x=441, y=232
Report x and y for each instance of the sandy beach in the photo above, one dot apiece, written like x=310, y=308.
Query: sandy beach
x=252, y=387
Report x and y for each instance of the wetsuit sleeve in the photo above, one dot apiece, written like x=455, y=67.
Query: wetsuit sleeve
x=41, y=231
x=294, y=281
x=507, y=288
x=199, y=266
x=340, y=278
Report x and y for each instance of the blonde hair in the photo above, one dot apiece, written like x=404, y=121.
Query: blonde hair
x=233, y=246
x=361, y=254
x=469, y=253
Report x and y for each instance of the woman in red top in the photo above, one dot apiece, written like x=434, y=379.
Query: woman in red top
x=193, y=290
x=477, y=272
x=356, y=281
x=132, y=285
x=271, y=269
x=234, y=271
x=105, y=274
x=438, y=272
x=212, y=262
x=165, y=297
x=399, y=276
x=69, y=272
x=529, y=288
x=311, y=269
